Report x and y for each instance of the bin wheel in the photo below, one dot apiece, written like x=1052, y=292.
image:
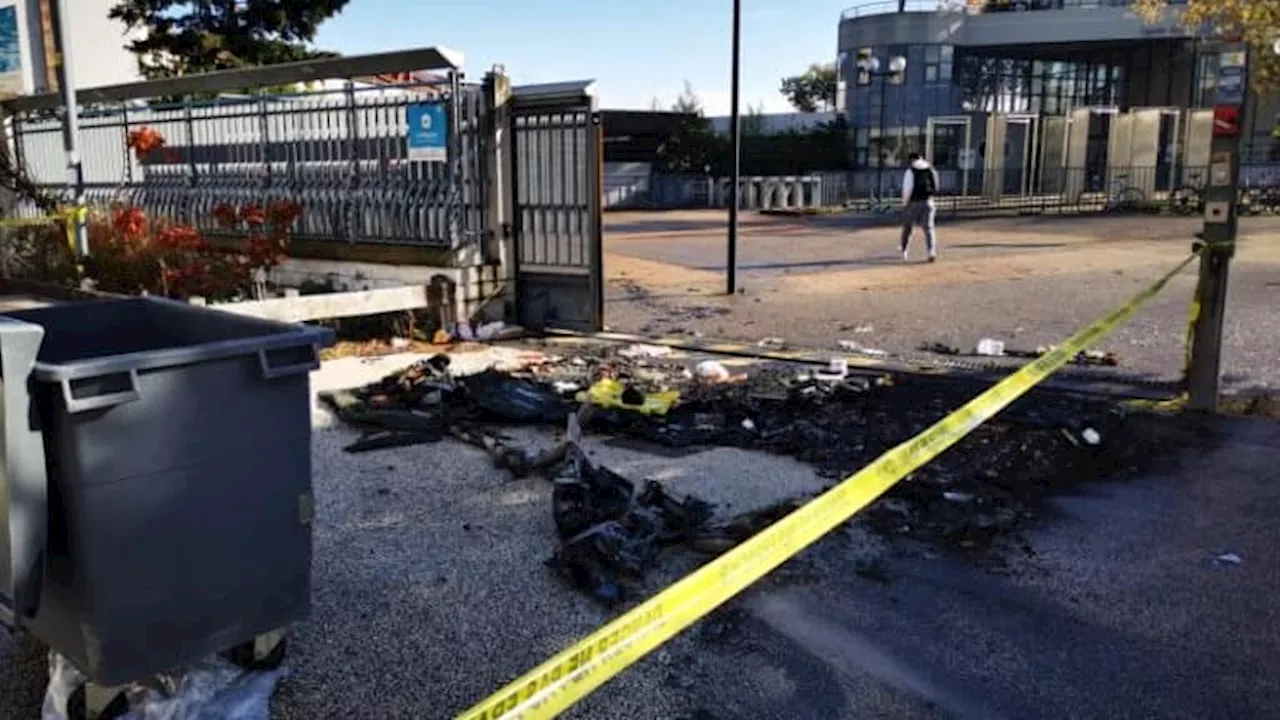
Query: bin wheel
x=78, y=706
x=266, y=652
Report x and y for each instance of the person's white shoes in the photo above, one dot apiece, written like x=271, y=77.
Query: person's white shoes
x=906, y=256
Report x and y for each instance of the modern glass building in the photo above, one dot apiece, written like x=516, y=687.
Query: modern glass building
x=1042, y=57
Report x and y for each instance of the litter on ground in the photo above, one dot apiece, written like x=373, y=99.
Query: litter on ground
x=612, y=529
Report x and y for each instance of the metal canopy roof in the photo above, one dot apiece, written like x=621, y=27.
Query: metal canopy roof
x=434, y=58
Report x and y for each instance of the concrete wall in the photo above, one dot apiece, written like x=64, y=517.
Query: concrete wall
x=1102, y=24
x=900, y=28
x=1068, y=25
x=475, y=293
x=98, y=54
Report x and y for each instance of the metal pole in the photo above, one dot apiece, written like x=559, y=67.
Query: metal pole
x=735, y=142
x=884, y=87
x=71, y=124
x=1220, y=223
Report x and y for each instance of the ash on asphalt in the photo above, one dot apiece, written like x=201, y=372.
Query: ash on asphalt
x=975, y=497
x=430, y=589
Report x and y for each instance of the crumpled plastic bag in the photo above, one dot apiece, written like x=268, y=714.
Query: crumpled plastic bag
x=214, y=689
x=611, y=393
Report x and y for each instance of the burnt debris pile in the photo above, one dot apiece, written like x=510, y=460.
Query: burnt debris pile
x=612, y=531
x=611, y=528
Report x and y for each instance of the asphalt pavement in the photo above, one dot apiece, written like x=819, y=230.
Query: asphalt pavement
x=1144, y=599
x=1028, y=284
x=430, y=593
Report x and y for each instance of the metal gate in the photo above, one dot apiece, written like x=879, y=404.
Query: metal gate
x=948, y=146
x=558, y=178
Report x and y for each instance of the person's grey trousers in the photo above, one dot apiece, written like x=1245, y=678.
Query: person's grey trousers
x=919, y=213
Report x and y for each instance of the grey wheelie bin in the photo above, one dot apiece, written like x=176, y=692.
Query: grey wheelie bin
x=156, y=502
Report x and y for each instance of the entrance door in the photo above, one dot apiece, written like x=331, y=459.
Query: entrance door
x=1020, y=140
x=1010, y=157
x=1154, y=148
x=1089, y=150
x=948, y=146
x=1120, y=169
x=558, y=178
x=1053, y=155
x=1077, y=154
x=1195, y=148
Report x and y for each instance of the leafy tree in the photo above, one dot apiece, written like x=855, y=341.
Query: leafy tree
x=692, y=147
x=1256, y=22
x=181, y=36
x=811, y=90
x=688, y=101
x=753, y=121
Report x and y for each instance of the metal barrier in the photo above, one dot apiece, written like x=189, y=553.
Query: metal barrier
x=884, y=7
x=342, y=155
x=1148, y=189
x=670, y=192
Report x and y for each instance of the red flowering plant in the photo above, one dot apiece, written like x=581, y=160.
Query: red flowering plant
x=131, y=252
x=267, y=230
x=144, y=141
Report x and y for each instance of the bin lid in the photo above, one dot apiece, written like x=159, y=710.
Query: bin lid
x=89, y=339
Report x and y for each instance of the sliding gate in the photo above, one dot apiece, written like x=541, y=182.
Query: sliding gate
x=558, y=179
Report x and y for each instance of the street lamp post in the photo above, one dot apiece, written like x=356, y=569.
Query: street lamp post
x=70, y=124
x=735, y=141
x=895, y=72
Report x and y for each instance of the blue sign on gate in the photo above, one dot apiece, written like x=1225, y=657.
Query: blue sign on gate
x=1230, y=86
x=428, y=131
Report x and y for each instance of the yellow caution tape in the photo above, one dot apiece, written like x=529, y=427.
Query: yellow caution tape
x=558, y=683
x=70, y=218
x=1178, y=403
x=32, y=222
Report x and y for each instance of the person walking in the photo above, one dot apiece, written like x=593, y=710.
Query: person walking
x=919, y=185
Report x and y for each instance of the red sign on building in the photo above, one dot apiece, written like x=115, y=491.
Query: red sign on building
x=1226, y=121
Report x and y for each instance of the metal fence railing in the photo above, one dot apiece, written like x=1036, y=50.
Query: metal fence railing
x=1060, y=190
x=342, y=155
x=1159, y=189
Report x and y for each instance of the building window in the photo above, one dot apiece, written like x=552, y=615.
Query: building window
x=932, y=63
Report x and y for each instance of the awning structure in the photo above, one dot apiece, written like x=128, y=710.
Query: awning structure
x=420, y=60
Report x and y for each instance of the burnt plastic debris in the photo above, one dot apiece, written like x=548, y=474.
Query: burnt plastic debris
x=501, y=397
x=425, y=402
x=986, y=488
x=610, y=532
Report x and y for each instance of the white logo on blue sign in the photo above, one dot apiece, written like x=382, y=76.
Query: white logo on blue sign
x=428, y=131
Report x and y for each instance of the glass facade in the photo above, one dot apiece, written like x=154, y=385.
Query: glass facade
x=889, y=118
x=1041, y=86
x=927, y=89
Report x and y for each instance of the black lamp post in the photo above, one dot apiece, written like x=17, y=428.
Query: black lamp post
x=868, y=68
x=735, y=142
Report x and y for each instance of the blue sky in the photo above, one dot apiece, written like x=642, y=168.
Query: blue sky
x=635, y=50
